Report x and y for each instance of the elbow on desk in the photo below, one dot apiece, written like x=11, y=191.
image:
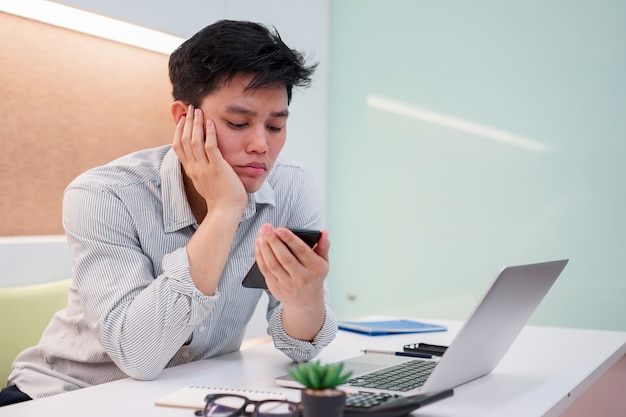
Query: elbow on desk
x=137, y=362
x=140, y=367
x=142, y=373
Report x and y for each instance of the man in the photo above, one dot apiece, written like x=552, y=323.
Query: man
x=161, y=239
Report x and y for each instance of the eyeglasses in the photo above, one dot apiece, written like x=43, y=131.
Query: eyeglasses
x=229, y=405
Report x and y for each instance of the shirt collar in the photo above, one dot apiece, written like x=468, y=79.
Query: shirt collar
x=265, y=195
x=176, y=211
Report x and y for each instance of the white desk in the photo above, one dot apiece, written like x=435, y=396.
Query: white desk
x=541, y=375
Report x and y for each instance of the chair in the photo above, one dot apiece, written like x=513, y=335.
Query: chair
x=24, y=314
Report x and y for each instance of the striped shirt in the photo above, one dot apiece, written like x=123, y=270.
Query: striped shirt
x=133, y=309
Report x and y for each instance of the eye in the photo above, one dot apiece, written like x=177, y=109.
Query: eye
x=237, y=126
x=275, y=129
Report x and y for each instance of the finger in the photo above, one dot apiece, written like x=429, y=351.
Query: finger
x=322, y=248
x=177, y=144
x=268, y=264
x=301, y=260
x=291, y=253
x=295, y=245
x=210, y=142
x=185, y=138
x=266, y=255
x=198, y=137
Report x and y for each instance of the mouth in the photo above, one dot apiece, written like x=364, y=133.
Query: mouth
x=254, y=169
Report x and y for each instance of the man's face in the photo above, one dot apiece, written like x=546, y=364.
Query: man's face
x=251, y=127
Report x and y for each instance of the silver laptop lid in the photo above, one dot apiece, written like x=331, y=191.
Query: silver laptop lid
x=484, y=338
x=495, y=323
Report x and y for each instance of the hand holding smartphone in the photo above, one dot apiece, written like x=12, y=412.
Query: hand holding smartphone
x=255, y=279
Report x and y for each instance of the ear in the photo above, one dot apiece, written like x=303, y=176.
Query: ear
x=178, y=110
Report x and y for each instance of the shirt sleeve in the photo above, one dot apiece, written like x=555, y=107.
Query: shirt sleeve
x=140, y=319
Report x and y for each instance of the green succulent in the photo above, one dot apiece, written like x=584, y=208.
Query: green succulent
x=316, y=376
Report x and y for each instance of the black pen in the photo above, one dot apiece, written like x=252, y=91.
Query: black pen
x=391, y=352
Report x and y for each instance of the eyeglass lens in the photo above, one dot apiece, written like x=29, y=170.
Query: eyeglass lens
x=276, y=409
x=224, y=406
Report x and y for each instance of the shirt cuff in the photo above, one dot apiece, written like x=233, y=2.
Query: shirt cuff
x=177, y=273
x=302, y=350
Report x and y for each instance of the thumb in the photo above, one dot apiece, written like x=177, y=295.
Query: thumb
x=323, y=245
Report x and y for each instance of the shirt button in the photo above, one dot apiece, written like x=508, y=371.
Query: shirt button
x=202, y=329
x=186, y=354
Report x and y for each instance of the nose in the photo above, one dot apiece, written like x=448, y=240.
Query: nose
x=257, y=141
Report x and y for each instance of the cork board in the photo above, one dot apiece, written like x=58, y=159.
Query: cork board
x=68, y=102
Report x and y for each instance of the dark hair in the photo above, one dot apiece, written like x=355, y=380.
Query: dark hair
x=226, y=48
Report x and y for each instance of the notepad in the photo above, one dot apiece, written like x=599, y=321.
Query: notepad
x=382, y=327
x=193, y=396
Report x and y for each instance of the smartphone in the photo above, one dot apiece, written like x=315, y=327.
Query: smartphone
x=255, y=279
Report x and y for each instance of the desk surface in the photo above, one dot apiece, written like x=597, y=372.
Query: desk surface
x=545, y=370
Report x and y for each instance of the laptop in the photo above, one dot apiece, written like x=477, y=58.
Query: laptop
x=478, y=347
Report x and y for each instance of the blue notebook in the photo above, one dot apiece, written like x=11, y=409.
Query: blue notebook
x=376, y=328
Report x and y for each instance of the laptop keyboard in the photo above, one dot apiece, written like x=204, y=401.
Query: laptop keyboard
x=403, y=377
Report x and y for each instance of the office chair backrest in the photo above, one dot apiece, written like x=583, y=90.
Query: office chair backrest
x=24, y=314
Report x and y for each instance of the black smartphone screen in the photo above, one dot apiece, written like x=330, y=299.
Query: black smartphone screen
x=255, y=279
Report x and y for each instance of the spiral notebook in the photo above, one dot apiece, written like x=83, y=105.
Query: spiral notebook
x=193, y=396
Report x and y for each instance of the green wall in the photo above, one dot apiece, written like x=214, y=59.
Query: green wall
x=468, y=135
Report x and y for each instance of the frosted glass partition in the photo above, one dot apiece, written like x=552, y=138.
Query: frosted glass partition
x=466, y=136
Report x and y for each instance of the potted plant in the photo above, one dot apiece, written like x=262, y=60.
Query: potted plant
x=320, y=396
